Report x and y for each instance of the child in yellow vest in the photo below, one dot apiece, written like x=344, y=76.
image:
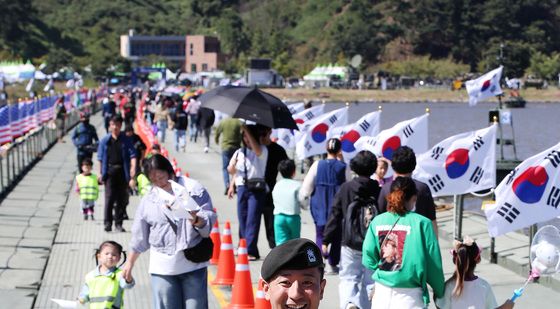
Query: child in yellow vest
x=87, y=186
x=104, y=287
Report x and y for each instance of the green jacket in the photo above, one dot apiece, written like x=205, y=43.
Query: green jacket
x=412, y=251
x=230, y=130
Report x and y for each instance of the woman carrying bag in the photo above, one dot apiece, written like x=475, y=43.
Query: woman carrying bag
x=173, y=222
x=248, y=166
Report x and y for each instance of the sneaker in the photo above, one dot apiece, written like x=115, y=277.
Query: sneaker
x=205, y=149
x=120, y=229
x=253, y=258
x=107, y=228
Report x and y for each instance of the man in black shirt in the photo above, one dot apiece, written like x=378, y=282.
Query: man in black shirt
x=275, y=154
x=404, y=163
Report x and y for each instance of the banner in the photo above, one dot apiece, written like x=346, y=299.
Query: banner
x=460, y=164
x=412, y=133
x=484, y=87
x=528, y=195
x=314, y=139
x=368, y=125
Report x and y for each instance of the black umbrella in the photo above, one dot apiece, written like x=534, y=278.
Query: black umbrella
x=249, y=103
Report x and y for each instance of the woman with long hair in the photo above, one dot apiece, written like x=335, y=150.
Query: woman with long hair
x=403, y=251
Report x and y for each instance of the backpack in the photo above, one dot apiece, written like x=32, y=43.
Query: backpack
x=358, y=216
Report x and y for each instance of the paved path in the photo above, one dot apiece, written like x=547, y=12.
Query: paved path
x=43, y=201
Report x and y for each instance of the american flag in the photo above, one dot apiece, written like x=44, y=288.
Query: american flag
x=27, y=110
x=15, y=121
x=44, y=109
x=5, y=131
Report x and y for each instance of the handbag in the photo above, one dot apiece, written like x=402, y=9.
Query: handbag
x=201, y=252
x=256, y=184
x=253, y=184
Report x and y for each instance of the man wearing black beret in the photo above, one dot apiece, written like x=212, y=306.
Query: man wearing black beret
x=293, y=275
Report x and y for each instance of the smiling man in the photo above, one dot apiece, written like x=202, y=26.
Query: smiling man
x=293, y=274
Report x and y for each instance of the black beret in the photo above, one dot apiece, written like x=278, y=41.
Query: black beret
x=298, y=253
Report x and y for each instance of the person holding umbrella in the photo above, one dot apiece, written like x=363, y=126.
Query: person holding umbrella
x=248, y=166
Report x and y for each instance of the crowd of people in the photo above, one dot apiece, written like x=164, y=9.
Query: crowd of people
x=377, y=233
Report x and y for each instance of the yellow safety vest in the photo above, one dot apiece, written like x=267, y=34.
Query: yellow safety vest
x=143, y=184
x=104, y=290
x=89, y=188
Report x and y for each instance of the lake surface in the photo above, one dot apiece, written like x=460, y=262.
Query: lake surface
x=536, y=127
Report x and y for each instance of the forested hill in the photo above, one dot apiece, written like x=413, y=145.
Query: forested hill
x=296, y=34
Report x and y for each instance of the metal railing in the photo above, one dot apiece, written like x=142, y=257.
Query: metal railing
x=26, y=151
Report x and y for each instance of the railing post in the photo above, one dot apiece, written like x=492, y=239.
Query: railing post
x=458, y=216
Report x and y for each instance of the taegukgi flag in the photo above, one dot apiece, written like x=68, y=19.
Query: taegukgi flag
x=460, y=164
x=368, y=125
x=486, y=86
x=295, y=107
x=287, y=138
x=314, y=139
x=528, y=195
x=412, y=133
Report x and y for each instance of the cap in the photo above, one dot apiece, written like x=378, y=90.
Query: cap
x=295, y=254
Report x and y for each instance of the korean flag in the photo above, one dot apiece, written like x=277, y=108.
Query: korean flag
x=412, y=133
x=314, y=139
x=528, y=195
x=460, y=164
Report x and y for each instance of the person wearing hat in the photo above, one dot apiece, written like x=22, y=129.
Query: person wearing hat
x=85, y=139
x=293, y=275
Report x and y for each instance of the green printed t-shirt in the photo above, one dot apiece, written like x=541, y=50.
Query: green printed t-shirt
x=412, y=254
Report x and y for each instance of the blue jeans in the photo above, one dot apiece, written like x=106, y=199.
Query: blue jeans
x=249, y=209
x=355, y=280
x=162, y=127
x=188, y=290
x=226, y=157
x=193, y=127
x=180, y=139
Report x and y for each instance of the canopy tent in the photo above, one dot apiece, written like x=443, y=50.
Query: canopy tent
x=324, y=72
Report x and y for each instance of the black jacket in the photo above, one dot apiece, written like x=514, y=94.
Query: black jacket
x=205, y=118
x=180, y=119
x=361, y=186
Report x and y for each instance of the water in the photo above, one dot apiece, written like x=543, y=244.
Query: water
x=536, y=127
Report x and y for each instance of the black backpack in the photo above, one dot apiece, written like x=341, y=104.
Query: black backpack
x=357, y=219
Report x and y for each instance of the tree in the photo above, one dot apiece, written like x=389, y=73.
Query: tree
x=546, y=67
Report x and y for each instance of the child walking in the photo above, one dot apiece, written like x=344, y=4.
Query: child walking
x=464, y=289
x=104, y=285
x=287, y=221
x=87, y=186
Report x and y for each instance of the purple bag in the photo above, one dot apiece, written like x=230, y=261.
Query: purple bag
x=154, y=129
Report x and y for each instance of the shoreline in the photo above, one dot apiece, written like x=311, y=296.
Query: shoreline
x=413, y=95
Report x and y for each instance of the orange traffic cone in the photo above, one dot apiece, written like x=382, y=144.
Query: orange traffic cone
x=260, y=300
x=242, y=293
x=226, y=264
x=215, y=236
